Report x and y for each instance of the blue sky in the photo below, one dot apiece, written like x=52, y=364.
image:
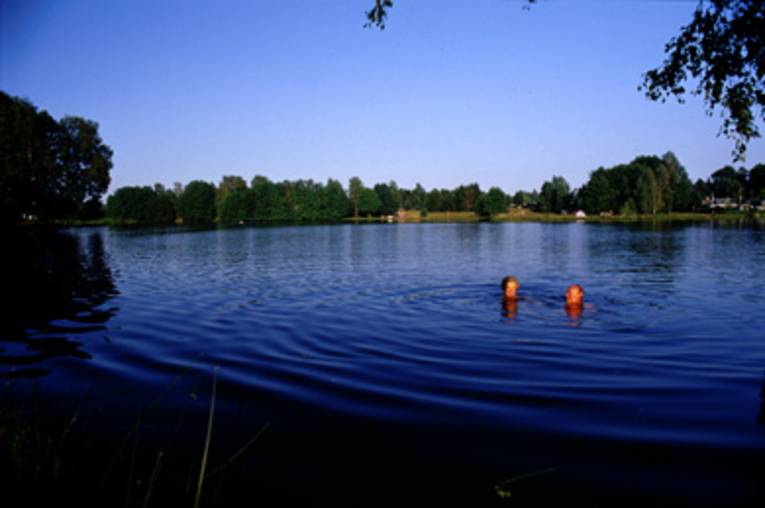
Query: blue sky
x=451, y=92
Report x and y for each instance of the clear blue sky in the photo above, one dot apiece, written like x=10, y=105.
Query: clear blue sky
x=451, y=92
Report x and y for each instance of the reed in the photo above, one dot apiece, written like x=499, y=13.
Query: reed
x=502, y=488
x=136, y=473
x=206, y=451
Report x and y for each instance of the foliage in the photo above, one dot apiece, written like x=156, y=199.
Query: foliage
x=526, y=199
x=368, y=202
x=377, y=14
x=648, y=184
x=48, y=169
x=414, y=199
x=84, y=165
x=354, y=188
x=197, y=203
x=390, y=198
x=269, y=200
x=142, y=205
x=725, y=182
x=465, y=198
x=495, y=201
x=555, y=195
x=757, y=181
x=236, y=205
x=721, y=50
x=649, y=193
x=334, y=202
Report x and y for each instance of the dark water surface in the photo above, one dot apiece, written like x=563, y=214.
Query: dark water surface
x=386, y=368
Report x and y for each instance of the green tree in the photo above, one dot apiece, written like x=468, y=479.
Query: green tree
x=130, y=204
x=526, y=199
x=701, y=191
x=435, y=201
x=368, y=202
x=334, y=201
x=28, y=168
x=164, y=207
x=304, y=200
x=678, y=196
x=85, y=165
x=649, y=192
x=49, y=169
x=237, y=204
x=683, y=198
x=598, y=195
x=466, y=197
x=142, y=205
x=269, y=202
x=629, y=207
x=555, y=195
x=418, y=198
x=197, y=203
x=229, y=183
x=756, y=181
x=725, y=183
x=355, y=185
x=495, y=202
x=388, y=195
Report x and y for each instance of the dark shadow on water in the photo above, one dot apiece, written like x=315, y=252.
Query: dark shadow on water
x=51, y=276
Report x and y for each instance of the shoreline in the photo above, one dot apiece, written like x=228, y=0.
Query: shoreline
x=446, y=218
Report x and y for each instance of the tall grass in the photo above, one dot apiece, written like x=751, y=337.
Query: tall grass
x=43, y=458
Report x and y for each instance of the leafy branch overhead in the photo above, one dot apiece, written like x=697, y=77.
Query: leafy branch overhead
x=722, y=51
x=377, y=14
x=379, y=11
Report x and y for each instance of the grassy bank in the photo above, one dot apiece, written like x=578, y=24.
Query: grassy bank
x=528, y=216
x=665, y=217
x=633, y=218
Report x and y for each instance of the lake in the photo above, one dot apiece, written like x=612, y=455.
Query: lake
x=377, y=364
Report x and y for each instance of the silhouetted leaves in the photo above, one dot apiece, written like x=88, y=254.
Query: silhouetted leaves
x=48, y=169
x=721, y=50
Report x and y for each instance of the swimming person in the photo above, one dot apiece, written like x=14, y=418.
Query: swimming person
x=574, y=300
x=509, y=308
x=575, y=296
x=510, y=286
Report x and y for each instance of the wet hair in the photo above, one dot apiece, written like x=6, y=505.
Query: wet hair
x=577, y=286
x=507, y=280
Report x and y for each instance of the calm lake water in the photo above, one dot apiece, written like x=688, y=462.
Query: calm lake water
x=386, y=369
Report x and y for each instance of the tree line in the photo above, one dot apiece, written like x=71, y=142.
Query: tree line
x=651, y=185
x=647, y=185
x=49, y=169
x=52, y=170
x=234, y=201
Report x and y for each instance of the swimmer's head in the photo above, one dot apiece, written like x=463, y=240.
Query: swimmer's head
x=510, y=286
x=574, y=296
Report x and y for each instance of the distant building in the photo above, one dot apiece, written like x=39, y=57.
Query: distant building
x=579, y=214
x=719, y=203
x=714, y=203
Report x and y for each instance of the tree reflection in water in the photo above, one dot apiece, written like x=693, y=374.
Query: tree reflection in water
x=56, y=283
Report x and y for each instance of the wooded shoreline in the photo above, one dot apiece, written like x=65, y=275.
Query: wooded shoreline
x=463, y=217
